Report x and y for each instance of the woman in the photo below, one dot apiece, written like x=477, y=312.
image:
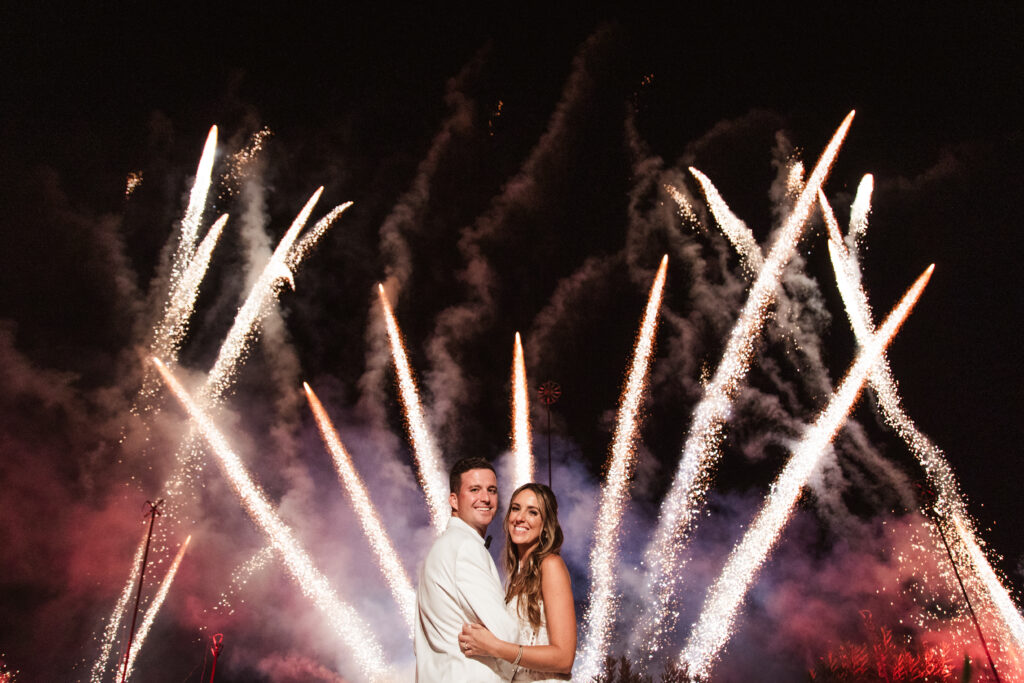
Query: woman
x=539, y=593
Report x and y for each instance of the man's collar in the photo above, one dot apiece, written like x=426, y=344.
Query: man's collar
x=462, y=525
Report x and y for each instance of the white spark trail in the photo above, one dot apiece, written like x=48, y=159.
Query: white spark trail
x=345, y=621
x=154, y=607
x=860, y=208
x=735, y=230
x=685, y=210
x=110, y=631
x=428, y=460
x=186, y=280
x=949, y=504
x=718, y=615
x=700, y=451
x=604, y=553
x=997, y=592
x=522, y=442
x=171, y=330
x=380, y=542
x=311, y=238
x=256, y=306
x=194, y=213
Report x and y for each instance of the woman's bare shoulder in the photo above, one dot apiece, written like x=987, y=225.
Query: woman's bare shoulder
x=553, y=564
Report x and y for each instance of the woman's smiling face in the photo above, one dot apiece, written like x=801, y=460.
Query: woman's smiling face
x=525, y=521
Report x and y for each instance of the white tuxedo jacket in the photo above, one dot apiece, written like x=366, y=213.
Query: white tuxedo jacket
x=459, y=584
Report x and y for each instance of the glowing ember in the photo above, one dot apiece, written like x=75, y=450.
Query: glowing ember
x=154, y=607
x=716, y=620
x=387, y=556
x=522, y=443
x=345, y=621
x=428, y=461
x=132, y=182
x=622, y=462
x=700, y=452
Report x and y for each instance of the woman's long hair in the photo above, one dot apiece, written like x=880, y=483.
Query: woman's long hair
x=524, y=580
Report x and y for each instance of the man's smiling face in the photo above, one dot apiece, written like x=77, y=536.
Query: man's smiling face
x=477, y=499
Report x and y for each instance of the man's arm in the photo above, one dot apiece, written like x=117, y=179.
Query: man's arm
x=479, y=587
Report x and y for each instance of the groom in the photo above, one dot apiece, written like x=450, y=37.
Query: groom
x=459, y=584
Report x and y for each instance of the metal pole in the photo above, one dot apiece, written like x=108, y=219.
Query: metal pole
x=549, y=445
x=549, y=393
x=154, y=510
x=970, y=608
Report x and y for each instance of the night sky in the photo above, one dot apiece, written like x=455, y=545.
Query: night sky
x=506, y=172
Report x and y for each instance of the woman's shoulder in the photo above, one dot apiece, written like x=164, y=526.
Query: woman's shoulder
x=553, y=563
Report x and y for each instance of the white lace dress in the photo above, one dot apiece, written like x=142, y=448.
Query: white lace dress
x=527, y=636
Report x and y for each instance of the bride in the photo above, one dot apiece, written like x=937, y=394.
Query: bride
x=539, y=593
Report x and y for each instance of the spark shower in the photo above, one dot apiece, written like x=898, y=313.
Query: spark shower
x=698, y=647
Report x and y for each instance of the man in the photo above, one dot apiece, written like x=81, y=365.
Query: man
x=459, y=584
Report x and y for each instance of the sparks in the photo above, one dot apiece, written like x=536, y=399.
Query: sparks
x=522, y=442
x=428, y=460
x=735, y=230
x=700, y=452
x=194, y=212
x=110, y=631
x=949, y=504
x=345, y=621
x=172, y=329
x=718, y=615
x=154, y=607
x=256, y=306
x=622, y=463
x=387, y=556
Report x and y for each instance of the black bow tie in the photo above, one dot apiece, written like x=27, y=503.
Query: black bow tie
x=487, y=542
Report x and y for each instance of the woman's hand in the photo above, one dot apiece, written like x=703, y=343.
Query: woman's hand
x=476, y=641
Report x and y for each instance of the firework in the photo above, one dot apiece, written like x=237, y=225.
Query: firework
x=240, y=576
x=310, y=239
x=700, y=452
x=183, y=287
x=194, y=212
x=949, y=505
x=256, y=306
x=734, y=229
x=717, y=617
x=522, y=443
x=132, y=182
x=622, y=462
x=346, y=622
x=154, y=607
x=428, y=460
x=171, y=330
x=860, y=209
x=110, y=631
x=683, y=204
x=387, y=556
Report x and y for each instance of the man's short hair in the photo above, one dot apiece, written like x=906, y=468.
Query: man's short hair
x=465, y=465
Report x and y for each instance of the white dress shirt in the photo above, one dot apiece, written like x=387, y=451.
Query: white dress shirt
x=459, y=584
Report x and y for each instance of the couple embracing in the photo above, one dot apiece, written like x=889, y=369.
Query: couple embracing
x=470, y=629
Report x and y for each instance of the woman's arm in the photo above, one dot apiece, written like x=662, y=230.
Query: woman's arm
x=560, y=612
